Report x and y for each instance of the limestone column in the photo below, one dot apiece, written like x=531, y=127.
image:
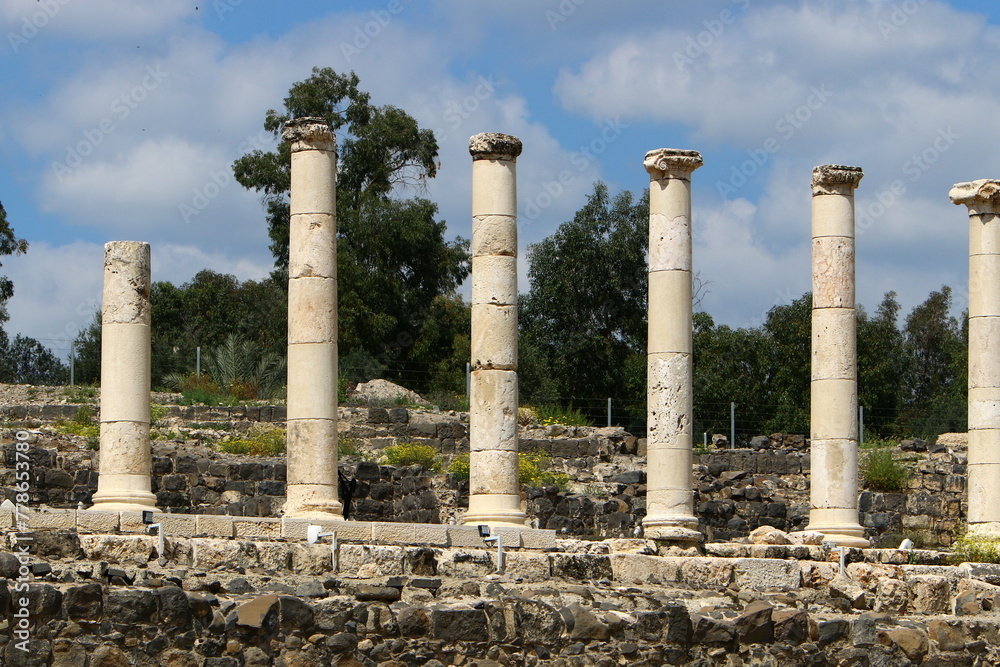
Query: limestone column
x=983, y=199
x=494, y=491
x=669, y=480
x=833, y=415
x=312, y=323
x=125, y=458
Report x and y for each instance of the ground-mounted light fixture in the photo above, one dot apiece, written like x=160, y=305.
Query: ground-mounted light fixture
x=484, y=532
x=156, y=529
x=314, y=534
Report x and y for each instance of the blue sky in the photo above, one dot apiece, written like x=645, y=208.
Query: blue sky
x=120, y=120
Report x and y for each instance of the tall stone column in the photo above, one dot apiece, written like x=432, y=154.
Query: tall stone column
x=983, y=199
x=125, y=459
x=312, y=323
x=494, y=491
x=833, y=403
x=669, y=479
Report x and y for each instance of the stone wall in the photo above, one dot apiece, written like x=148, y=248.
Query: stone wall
x=735, y=491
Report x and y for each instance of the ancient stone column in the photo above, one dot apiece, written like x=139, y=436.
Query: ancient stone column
x=833, y=404
x=494, y=491
x=312, y=323
x=125, y=458
x=669, y=480
x=983, y=199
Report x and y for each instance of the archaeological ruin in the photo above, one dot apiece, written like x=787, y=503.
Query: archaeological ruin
x=166, y=551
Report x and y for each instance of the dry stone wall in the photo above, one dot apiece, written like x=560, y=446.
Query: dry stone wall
x=735, y=491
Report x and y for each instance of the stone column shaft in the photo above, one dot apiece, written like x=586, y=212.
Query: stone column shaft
x=494, y=490
x=312, y=323
x=669, y=389
x=834, y=388
x=983, y=199
x=125, y=460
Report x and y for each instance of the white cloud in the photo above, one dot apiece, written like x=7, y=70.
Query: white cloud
x=91, y=19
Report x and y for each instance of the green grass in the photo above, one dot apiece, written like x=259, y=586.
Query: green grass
x=157, y=413
x=212, y=426
x=459, y=467
x=262, y=443
x=410, y=453
x=881, y=472
x=879, y=443
x=556, y=414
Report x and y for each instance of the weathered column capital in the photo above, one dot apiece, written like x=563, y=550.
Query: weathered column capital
x=671, y=163
x=982, y=196
x=835, y=179
x=494, y=146
x=309, y=133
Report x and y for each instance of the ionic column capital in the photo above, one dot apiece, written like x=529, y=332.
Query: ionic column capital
x=982, y=196
x=671, y=163
x=494, y=146
x=309, y=133
x=835, y=179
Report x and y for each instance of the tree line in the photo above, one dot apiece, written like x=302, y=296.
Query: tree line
x=582, y=320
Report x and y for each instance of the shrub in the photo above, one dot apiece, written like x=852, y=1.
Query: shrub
x=157, y=413
x=410, y=453
x=261, y=443
x=347, y=446
x=84, y=415
x=533, y=470
x=976, y=549
x=526, y=416
x=459, y=467
x=881, y=472
x=556, y=414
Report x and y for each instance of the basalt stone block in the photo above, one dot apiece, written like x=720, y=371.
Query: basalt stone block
x=131, y=607
x=459, y=624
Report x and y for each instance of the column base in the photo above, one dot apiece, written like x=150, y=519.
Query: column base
x=313, y=501
x=842, y=533
x=495, y=509
x=123, y=501
x=679, y=529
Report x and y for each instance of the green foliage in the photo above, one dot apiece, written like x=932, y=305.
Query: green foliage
x=557, y=414
x=26, y=361
x=881, y=472
x=411, y=453
x=533, y=470
x=157, y=413
x=879, y=443
x=9, y=245
x=258, y=442
x=459, y=467
x=396, y=272
x=586, y=301
x=242, y=371
x=348, y=446
x=84, y=415
x=971, y=548
x=80, y=394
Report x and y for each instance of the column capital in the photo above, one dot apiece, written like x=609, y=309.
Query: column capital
x=494, y=146
x=835, y=179
x=671, y=163
x=982, y=196
x=309, y=133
